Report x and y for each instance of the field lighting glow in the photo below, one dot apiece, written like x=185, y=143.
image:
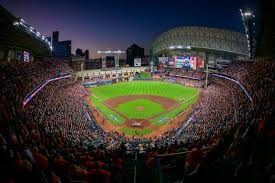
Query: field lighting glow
x=179, y=47
x=110, y=52
x=29, y=29
x=247, y=14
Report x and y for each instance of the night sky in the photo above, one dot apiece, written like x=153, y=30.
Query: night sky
x=103, y=24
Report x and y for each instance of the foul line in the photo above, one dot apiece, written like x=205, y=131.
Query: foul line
x=168, y=110
x=111, y=108
x=171, y=108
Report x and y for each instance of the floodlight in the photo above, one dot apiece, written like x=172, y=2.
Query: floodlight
x=247, y=13
x=15, y=23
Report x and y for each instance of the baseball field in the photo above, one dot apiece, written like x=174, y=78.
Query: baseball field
x=140, y=107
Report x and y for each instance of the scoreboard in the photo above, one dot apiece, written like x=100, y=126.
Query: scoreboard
x=186, y=62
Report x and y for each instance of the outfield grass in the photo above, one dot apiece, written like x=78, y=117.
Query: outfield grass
x=128, y=131
x=129, y=109
x=158, y=88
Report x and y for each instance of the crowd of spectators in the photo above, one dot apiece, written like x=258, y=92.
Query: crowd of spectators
x=230, y=138
x=181, y=76
x=185, y=81
x=96, y=79
x=31, y=75
x=196, y=74
x=227, y=139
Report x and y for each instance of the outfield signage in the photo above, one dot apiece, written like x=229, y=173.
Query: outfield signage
x=137, y=62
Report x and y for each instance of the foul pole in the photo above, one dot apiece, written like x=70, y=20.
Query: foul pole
x=207, y=72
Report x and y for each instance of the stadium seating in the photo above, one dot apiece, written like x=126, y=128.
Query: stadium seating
x=54, y=138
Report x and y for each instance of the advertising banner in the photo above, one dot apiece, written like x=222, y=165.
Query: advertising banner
x=164, y=60
x=137, y=62
x=171, y=61
x=200, y=62
x=26, y=56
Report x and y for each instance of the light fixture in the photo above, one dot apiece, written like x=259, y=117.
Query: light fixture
x=247, y=13
x=15, y=23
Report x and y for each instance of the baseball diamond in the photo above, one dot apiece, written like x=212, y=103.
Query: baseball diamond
x=142, y=108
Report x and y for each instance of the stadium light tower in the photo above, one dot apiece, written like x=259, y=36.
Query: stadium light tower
x=106, y=52
x=249, y=25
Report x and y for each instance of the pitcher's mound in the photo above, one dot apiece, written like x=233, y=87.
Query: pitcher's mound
x=139, y=108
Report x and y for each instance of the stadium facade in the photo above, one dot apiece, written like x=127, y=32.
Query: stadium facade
x=20, y=41
x=200, y=45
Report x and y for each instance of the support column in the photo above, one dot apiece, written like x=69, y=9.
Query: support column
x=206, y=80
x=117, y=60
x=104, y=62
x=81, y=67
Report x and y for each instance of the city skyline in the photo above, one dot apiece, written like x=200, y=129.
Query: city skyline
x=117, y=25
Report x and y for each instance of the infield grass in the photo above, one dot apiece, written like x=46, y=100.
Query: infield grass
x=140, y=109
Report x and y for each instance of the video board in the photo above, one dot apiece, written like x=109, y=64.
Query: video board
x=185, y=62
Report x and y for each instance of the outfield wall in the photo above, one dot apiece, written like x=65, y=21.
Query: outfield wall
x=110, y=72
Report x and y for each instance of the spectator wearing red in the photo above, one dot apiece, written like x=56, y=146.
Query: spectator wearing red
x=194, y=157
x=99, y=175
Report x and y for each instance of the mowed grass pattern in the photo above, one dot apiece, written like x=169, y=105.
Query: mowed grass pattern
x=130, y=110
x=159, y=88
x=186, y=95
